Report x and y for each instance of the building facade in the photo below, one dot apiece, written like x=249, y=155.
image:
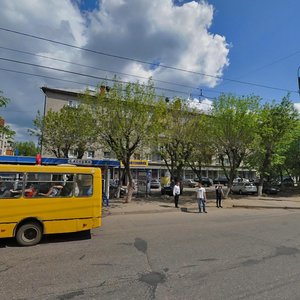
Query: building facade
x=56, y=99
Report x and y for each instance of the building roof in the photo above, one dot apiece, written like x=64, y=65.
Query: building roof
x=70, y=92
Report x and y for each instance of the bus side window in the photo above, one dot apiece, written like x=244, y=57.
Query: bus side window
x=85, y=185
x=67, y=189
x=11, y=185
x=76, y=189
x=5, y=190
x=30, y=191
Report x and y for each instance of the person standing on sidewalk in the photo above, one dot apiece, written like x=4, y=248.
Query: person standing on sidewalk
x=201, y=198
x=219, y=195
x=176, y=193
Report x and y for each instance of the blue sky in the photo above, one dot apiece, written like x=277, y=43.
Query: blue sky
x=86, y=5
x=253, y=41
x=264, y=45
x=264, y=36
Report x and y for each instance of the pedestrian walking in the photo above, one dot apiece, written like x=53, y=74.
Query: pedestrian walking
x=176, y=193
x=219, y=195
x=201, y=198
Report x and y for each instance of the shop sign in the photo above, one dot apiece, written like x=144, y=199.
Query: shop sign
x=80, y=162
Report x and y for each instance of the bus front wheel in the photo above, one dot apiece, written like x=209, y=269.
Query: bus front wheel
x=29, y=234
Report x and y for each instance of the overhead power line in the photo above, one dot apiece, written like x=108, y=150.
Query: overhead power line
x=84, y=75
x=105, y=70
x=96, y=68
x=71, y=81
x=44, y=76
x=144, y=62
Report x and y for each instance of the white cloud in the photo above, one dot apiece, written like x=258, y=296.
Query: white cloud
x=158, y=30
x=297, y=106
x=153, y=31
x=204, y=105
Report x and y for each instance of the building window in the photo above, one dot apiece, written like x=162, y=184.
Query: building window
x=90, y=154
x=156, y=157
x=106, y=154
x=72, y=154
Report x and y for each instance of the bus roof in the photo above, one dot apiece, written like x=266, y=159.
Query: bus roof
x=30, y=160
x=48, y=169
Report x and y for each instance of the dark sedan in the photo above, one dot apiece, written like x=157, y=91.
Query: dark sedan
x=270, y=189
x=206, y=181
x=221, y=180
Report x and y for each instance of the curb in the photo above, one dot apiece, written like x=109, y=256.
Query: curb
x=181, y=209
x=265, y=206
x=137, y=212
x=190, y=209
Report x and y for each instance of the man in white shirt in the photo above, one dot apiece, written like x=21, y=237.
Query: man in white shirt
x=201, y=198
x=176, y=193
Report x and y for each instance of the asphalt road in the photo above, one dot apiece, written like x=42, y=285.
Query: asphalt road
x=228, y=254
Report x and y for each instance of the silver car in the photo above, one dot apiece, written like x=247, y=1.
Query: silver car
x=243, y=188
x=154, y=184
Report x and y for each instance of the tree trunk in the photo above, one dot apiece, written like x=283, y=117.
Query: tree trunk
x=129, y=194
x=260, y=185
x=130, y=185
x=228, y=190
x=259, y=190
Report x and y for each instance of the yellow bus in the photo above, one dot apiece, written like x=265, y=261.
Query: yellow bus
x=38, y=200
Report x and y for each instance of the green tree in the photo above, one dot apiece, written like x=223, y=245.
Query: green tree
x=5, y=129
x=71, y=128
x=126, y=120
x=233, y=130
x=26, y=148
x=275, y=131
x=292, y=156
x=202, y=147
x=177, y=139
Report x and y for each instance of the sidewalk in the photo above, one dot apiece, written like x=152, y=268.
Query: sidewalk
x=188, y=204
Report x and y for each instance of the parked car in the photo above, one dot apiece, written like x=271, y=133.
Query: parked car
x=244, y=188
x=270, y=189
x=206, y=181
x=221, y=180
x=154, y=184
x=189, y=183
x=240, y=179
x=167, y=190
x=286, y=181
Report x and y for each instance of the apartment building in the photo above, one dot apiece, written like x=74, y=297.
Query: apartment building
x=55, y=99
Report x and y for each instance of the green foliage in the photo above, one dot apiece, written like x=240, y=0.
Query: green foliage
x=26, y=148
x=277, y=128
x=292, y=155
x=126, y=119
x=3, y=100
x=5, y=129
x=71, y=128
x=179, y=136
x=202, y=144
x=233, y=124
